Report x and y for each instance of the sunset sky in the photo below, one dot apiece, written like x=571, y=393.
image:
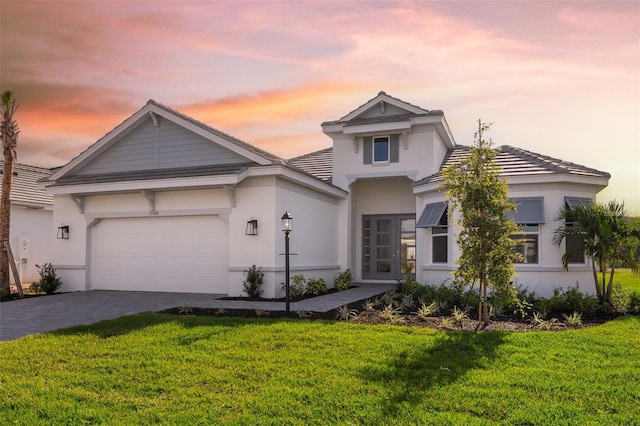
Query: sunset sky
x=556, y=77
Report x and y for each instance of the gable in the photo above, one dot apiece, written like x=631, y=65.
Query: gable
x=159, y=144
x=383, y=109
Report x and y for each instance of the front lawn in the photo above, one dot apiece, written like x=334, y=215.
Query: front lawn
x=627, y=279
x=167, y=369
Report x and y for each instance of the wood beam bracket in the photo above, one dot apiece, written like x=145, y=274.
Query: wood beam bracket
x=78, y=200
x=150, y=196
x=231, y=193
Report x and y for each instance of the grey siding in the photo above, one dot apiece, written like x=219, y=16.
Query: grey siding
x=167, y=146
x=388, y=110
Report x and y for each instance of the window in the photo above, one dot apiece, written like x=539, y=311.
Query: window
x=529, y=214
x=440, y=238
x=573, y=243
x=435, y=216
x=527, y=243
x=381, y=149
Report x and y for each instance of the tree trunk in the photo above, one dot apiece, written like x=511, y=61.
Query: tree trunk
x=596, y=280
x=5, y=222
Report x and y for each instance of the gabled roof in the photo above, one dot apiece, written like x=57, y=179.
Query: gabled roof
x=25, y=190
x=152, y=108
x=518, y=162
x=318, y=164
x=411, y=111
x=385, y=113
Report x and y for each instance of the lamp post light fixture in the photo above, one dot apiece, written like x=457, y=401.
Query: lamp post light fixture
x=287, y=227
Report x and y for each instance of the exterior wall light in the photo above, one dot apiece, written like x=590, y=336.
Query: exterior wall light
x=63, y=232
x=287, y=227
x=252, y=227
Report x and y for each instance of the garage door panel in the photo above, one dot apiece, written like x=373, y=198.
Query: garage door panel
x=178, y=254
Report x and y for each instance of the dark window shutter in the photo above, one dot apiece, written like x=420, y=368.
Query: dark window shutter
x=366, y=150
x=394, y=149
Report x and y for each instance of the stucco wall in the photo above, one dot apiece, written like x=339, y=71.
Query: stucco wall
x=419, y=157
x=70, y=256
x=542, y=277
x=376, y=197
x=35, y=226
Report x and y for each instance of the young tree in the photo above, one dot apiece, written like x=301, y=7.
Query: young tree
x=604, y=230
x=9, y=131
x=475, y=189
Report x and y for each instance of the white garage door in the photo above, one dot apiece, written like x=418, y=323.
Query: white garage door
x=176, y=254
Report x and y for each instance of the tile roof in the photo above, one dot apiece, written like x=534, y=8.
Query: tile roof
x=513, y=161
x=25, y=190
x=518, y=162
x=318, y=164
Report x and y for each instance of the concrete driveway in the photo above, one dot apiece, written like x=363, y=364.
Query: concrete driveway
x=19, y=318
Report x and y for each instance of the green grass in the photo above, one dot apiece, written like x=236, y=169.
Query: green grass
x=162, y=369
x=626, y=278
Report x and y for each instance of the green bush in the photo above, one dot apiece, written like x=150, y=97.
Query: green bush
x=252, y=284
x=296, y=287
x=409, y=286
x=316, y=287
x=344, y=280
x=49, y=281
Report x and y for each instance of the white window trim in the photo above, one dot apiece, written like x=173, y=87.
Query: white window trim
x=538, y=254
x=373, y=149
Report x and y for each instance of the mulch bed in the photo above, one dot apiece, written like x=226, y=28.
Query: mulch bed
x=375, y=316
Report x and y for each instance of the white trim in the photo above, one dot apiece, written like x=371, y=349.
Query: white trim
x=373, y=149
x=410, y=174
x=365, y=129
x=69, y=267
x=282, y=268
x=160, y=213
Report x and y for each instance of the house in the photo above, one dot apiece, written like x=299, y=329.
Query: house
x=164, y=202
x=31, y=221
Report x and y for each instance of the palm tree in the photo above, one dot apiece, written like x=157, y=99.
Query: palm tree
x=9, y=131
x=602, y=229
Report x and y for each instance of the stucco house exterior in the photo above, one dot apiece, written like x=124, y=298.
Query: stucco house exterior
x=31, y=221
x=163, y=203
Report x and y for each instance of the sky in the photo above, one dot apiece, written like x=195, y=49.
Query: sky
x=559, y=78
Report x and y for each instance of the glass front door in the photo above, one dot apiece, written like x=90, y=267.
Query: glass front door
x=389, y=246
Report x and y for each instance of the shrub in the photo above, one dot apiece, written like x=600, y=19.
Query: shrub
x=316, y=286
x=409, y=285
x=296, y=288
x=49, y=281
x=344, y=280
x=252, y=284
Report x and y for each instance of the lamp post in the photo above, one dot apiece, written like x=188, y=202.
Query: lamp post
x=287, y=227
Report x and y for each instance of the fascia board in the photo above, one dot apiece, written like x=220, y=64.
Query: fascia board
x=137, y=185
x=378, y=127
x=299, y=178
x=332, y=128
x=596, y=181
x=428, y=187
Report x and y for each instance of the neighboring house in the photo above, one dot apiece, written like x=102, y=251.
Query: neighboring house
x=162, y=203
x=31, y=221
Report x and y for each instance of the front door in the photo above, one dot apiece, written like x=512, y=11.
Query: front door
x=389, y=246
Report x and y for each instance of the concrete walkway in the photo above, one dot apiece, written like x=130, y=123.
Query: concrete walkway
x=19, y=318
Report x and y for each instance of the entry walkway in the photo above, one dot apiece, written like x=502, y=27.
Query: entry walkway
x=19, y=318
